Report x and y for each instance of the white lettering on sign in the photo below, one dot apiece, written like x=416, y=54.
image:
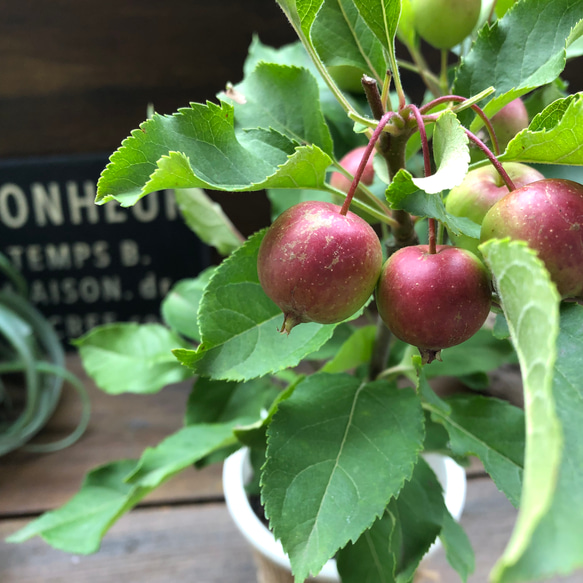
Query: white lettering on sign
x=57, y=256
x=70, y=290
x=13, y=206
x=75, y=325
x=114, y=213
x=82, y=202
x=47, y=205
x=152, y=287
x=146, y=209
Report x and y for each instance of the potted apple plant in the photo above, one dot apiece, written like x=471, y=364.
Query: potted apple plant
x=315, y=341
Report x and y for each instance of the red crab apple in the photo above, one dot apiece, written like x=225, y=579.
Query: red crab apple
x=548, y=215
x=445, y=23
x=479, y=191
x=318, y=265
x=510, y=120
x=433, y=301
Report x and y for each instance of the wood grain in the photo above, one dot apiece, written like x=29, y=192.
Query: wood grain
x=121, y=426
x=200, y=543
x=197, y=543
x=488, y=519
x=78, y=76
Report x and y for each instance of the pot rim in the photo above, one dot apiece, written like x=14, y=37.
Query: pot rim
x=237, y=471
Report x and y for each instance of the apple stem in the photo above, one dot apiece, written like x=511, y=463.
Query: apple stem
x=374, y=98
x=423, y=135
x=458, y=98
x=495, y=162
x=427, y=171
x=443, y=81
x=385, y=95
x=381, y=351
x=367, y=152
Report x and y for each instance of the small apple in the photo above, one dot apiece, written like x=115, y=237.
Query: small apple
x=318, y=265
x=510, y=120
x=445, y=23
x=347, y=77
x=479, y=191
x=548, y=215
x=433, y=300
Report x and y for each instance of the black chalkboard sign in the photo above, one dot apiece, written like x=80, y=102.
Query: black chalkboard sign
x=87, y=264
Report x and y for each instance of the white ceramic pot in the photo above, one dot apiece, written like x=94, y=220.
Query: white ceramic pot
x=237, y=472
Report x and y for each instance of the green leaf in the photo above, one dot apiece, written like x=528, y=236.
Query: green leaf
x=451, y=153
x=502, y=7
x=556, y=547
x=79, y=525
x=207, y=220
x=481, y=353
x=373, y=557
x=180, y=306
x=382, y=17
x=341, y=334
x=553, y=137
x=293, y=54
x=458, y=548
x=241, y=404
x=393, y=547
x=420, y=509
x=355, y=351
x=417, y=195
x=179, y=451
x=404, y=195
x=575, y=49
x=343, y=39
x=197, y=147
x=105, y=495
x=223, y=401
x=285, y=98
x=529, y=41
x=337, y=452
x=473, y=423
x=301, y=14
x=284, y=198
x=131, y=358
x=240, y=325
x=255, y=434
x=531, y=305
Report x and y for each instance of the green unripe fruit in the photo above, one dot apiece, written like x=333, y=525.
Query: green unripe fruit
x=445, y=23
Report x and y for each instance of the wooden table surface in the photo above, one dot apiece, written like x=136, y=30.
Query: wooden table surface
x=182, y=531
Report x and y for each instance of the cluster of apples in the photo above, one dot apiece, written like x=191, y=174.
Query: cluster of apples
x=319, y=265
